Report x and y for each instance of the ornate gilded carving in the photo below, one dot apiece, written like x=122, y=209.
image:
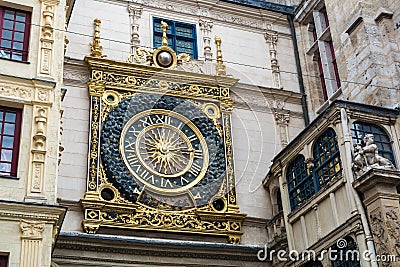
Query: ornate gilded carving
x=113, y=86
x=272, y=39
x=366, y=156
x=95, y=47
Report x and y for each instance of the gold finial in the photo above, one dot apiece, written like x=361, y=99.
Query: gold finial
x=164, y=26
x=220, y=67
x=97, y=49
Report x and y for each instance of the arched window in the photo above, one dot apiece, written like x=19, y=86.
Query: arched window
x=327, y=164
x=347, y=254
x=300, y=184
x=382, y=140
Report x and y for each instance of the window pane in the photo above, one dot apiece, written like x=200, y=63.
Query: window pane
x=17, y=46
x=5, y=44
x=5, y=167
x=9, y=128
x=19, y=26
x=21, y=17
x=9, y=14
x=8, y=142
x=8, y=24
x=6, y=155
x=185, y=32
x=17, y=56
x=10, y=117
x=19, y=36
x=6, y=34
x=4, y=54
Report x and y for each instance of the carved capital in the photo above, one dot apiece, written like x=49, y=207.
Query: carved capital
x=32, y=230
x=205, y=25
x=135, y=11
x=271, y=37
x=282, y=118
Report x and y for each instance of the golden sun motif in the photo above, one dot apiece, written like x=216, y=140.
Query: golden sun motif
x=165, y=150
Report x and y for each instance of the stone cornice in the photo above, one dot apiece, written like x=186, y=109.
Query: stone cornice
x=227, y=12
x=151, y=247
x=17, y=211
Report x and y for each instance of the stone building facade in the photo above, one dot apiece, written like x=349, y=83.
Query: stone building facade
x=286, y=112
x=32, y=52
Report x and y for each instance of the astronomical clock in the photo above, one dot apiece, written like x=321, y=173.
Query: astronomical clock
x=160, y=148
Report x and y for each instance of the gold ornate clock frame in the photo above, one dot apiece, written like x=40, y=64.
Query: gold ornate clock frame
x=110, y=83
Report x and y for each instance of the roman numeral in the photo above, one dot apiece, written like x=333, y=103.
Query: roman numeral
x=198, y=154
x=148, y=177
x=192, y=138
x=166, y=183
x=146, y=121
x=184, y=181
x=132, y=160
x=195, y=169
x=129, y=145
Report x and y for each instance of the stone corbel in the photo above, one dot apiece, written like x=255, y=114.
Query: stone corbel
x=32, y=235
x=135, y=13
x=272, y=39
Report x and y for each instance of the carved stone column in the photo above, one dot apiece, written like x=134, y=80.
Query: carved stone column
x=205, y=27
x=32, y=235
x=382, y=202
x=135, y=13
x=272, y=39
x=38, y=149
x=282, y=122
x=46, y=36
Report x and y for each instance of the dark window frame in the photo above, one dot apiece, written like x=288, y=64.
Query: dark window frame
x=173, y=36
x=350, y=245
x=25, y=42
x=16, y=140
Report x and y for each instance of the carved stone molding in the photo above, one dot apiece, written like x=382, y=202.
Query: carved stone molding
x=205, y=27
x=214, y=15
x=135, y=13
x=31, y=229
x=282, y=121
x=46, y=37
x=272, y=39
x=15, y=91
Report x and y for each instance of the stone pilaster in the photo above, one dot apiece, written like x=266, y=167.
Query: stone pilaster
x=282, y=122
x=32, y=235
x=135, y=13
x=381, y=199
x=46, y=37
x=205, y=27
x=272, y=39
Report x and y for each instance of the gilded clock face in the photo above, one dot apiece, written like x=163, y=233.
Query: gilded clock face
x=162, y=152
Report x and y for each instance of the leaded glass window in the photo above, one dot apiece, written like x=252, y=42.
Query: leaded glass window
x=327, y=164
x=303, y=184
x=382, y=140
x=181, y=36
